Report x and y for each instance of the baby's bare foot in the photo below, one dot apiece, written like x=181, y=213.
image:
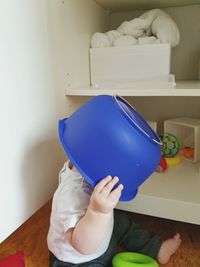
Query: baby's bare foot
x=168, y=248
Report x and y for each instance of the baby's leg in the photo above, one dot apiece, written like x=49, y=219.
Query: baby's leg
x=168, y=248
x=137, y=239
x=132, y=237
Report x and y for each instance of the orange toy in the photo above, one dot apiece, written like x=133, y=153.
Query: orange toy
x=187, y=152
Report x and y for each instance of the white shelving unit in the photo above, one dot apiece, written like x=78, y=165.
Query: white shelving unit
x=174, y=194
x=127, y=5
x=183, y=88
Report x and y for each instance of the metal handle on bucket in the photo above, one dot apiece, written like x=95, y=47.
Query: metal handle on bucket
x=115, y=98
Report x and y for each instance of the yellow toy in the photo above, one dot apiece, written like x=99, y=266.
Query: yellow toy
x=173, y=161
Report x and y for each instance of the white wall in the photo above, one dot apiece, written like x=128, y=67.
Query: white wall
x=71, y=25
x=30, y=155
x=43, y=49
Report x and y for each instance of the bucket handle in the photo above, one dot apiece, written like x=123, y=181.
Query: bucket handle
x=115, y=98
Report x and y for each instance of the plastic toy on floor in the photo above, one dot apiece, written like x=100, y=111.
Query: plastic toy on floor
x=16, y=260
x=132, y=259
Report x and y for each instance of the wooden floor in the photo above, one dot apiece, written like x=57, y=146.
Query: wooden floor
x=31, y=238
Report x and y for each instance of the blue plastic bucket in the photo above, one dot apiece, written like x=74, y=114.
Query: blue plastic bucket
x=107, y=136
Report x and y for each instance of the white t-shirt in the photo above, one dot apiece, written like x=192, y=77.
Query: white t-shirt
x=70, y=203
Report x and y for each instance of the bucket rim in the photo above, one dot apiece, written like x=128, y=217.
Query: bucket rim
x=116, y=97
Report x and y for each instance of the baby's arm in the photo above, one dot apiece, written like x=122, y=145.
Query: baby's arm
x=91, y=229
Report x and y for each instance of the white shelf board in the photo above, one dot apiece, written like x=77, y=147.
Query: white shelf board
x=174, y=194
x=127, y=5
x=183, y=88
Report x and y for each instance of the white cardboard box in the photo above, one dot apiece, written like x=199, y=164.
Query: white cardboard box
x=129, y=64
x=187, y=130
x=153, y=125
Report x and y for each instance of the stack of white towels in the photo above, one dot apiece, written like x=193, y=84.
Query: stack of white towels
x=153, y=26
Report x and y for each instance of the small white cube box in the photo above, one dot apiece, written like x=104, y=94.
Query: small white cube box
x=153, y=125
x=130, y=64
x=187, y=130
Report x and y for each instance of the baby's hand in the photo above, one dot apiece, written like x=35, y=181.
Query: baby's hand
x=103, y=198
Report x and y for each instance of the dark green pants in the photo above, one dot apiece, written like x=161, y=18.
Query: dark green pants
x=125, y=234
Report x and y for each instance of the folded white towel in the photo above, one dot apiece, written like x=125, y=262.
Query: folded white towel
x=166, y=30
x=162, y=26
x=99, y=40
x=150, y=15
x=128, y=28
x=140, y=23
x=125, y=40
x=153, y=22
x=148, y=40
x=113, y=35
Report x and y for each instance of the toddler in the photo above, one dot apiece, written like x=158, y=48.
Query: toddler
x=85, y=230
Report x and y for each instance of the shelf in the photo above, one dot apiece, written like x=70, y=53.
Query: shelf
x=183, y=88
x=128, y=5
x=173, y=194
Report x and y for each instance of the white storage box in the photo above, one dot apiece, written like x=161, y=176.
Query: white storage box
x=187, y=130
x=139, y=63
x=153, y=125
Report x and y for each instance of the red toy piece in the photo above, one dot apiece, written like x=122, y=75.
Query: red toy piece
x=16, y=260
x=162, y=165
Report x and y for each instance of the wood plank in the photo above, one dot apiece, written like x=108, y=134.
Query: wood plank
x=31, y=238
x=188, y=254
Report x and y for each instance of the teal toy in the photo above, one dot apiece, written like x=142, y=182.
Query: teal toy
x=171, y=145
x=132, y=259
